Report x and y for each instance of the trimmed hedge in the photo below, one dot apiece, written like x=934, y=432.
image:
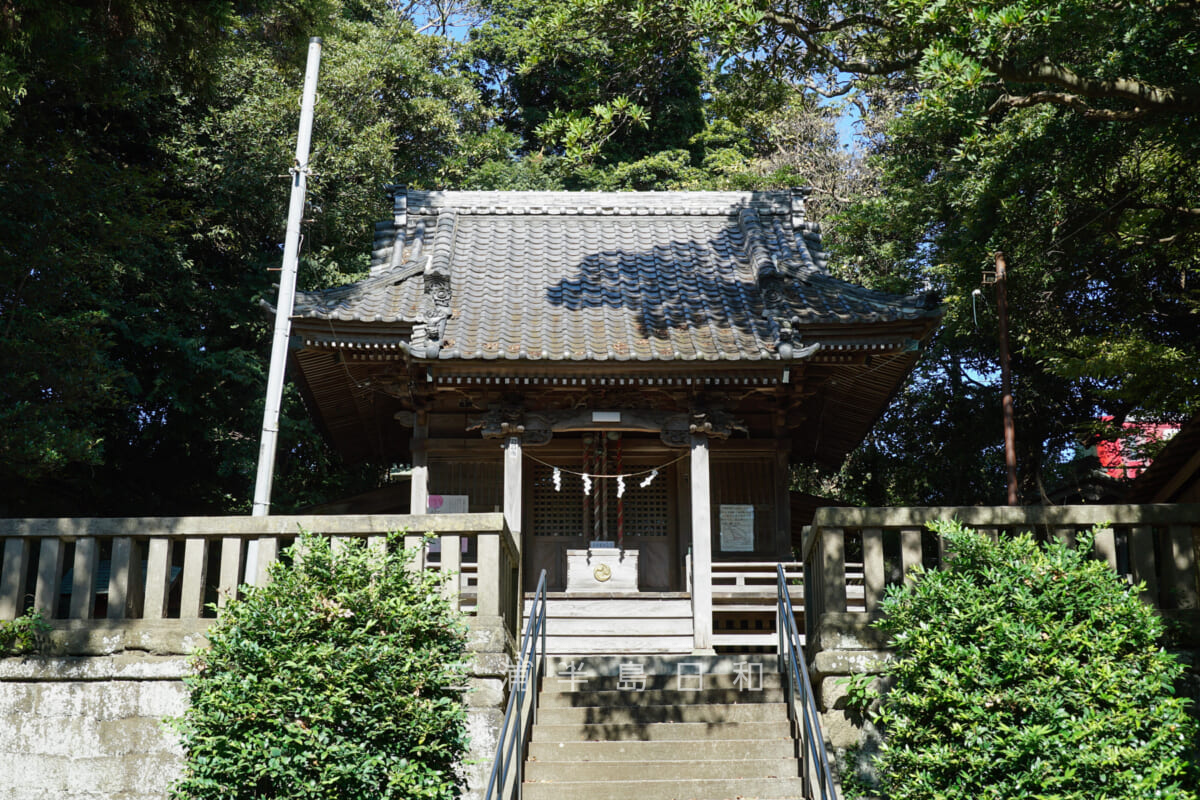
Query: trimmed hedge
x=1030, y=670
x=342, y=678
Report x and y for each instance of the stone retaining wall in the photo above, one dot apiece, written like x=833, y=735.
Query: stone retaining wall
x=83, y=719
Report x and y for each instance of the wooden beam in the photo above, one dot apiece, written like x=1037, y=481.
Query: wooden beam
x=1179, y=479
x=513, y=481
x=701, y=547
x=783, y=503
x=513, y=510
x=419, y=485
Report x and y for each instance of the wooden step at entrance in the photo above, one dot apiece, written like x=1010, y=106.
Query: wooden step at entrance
x=626, y=623
x=662, y=727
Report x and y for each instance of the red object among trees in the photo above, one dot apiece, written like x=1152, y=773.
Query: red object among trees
x=1128, y=455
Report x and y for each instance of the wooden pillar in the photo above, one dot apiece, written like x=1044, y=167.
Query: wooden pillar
x=701, y=547
x=513, y=487
x=419, y=487
x=513, y=494
x=783, y=504
x=418, y=498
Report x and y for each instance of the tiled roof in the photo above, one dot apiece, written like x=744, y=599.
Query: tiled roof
x=569, y=276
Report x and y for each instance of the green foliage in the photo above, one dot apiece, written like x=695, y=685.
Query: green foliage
x=22, y=634
x=1058, y=131
x=1027, y=670
x=858, y=779
x=339, y=679
x=861, y=691
x=142, y=207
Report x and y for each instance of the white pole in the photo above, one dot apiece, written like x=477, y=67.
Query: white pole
x=287, y=287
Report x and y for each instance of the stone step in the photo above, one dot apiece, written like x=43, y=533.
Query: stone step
x=665, y=750
x=658, y=697
x=611, y=683
x=604, y=664
x=674, y=770
x=718, y=789
x=633, y=645
x=642, y=715
x=657, y=731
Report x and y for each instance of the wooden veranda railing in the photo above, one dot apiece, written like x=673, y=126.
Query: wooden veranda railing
x=181, y=567
x=852, y=554
x=744, y=600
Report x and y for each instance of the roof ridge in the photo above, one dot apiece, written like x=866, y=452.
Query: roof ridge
x=600, y=203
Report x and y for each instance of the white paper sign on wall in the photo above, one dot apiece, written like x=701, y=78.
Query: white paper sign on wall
x=737, y=528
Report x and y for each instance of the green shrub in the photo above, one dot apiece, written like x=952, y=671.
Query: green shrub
x=1030, y=671
x=339, y=679
x=22, y=634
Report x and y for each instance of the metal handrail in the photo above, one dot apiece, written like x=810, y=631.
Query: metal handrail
x=818, y=779
x=518, y=720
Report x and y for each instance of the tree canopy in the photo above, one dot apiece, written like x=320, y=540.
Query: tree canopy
x=142, y=197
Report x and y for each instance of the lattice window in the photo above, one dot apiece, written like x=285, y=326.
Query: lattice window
x=481, y=481
x=646, y=510
x=556, y=513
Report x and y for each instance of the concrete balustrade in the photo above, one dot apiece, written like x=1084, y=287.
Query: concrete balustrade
x=851, y=555
x=180, y=567
x=1151, y=544
x=129, y=599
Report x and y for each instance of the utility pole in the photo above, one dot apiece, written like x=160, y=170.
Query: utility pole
x=1010, y=437
x=287, y=287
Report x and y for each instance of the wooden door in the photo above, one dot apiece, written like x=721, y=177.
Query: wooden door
x=554, y=524
x=650, y=528
x=559, y=519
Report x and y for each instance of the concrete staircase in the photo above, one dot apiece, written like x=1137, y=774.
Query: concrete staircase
x=694, y=732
